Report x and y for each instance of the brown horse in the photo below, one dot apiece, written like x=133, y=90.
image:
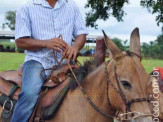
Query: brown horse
x=116, y=89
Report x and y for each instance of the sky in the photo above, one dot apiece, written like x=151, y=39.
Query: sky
x=136, y=16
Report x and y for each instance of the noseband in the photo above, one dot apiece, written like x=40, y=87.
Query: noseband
x=120, y=92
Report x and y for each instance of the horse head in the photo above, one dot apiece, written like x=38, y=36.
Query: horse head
x=127, y=81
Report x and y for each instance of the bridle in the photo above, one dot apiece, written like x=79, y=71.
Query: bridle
x=117, y=116
x=119, y=91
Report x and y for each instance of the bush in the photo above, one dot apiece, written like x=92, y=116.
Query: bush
x=19, y=50
x=8, y=46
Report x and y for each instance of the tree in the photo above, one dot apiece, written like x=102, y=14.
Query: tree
x=155, y=7
x=102, y=9
x=119, y=43
x=154, y=49
x=10, y=20
x=145, y=50
x=159, y=40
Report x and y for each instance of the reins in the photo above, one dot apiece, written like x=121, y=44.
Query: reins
x=119, y=91
x=87, y=97
x=127, y=103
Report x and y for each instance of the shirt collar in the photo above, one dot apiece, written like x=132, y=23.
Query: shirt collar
x=46, y=4
x=42, y=2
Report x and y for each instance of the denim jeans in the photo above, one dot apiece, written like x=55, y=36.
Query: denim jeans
x=31, y=87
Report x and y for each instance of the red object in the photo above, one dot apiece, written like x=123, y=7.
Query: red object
x=160, y=81
x=160, y=69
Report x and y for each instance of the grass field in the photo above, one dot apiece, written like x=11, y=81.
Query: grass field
x=11, y=61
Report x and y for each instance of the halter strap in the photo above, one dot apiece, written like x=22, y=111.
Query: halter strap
x=119, y=91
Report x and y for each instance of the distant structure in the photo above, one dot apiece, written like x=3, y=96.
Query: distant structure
x=7, y=35
x=88, y=50
x=11, y=35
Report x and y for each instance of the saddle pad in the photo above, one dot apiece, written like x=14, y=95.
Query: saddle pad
x=6, y=86
x=49, y=102
x=13, y=76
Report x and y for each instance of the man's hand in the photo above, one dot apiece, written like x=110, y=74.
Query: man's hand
x=56, y=43
x=70, y=53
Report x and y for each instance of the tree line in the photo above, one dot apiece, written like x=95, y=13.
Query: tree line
x=154, y=49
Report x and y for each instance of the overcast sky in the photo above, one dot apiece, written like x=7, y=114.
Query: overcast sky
x=136, y=17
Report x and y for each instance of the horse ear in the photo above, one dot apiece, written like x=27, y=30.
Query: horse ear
x=135, y=42
x=111, y=46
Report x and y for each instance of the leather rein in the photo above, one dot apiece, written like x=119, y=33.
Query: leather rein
x=119, y=91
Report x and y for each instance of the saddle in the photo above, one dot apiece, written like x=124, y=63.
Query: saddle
x=52, y=94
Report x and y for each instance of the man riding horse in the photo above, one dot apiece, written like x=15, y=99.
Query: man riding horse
x=38, y=26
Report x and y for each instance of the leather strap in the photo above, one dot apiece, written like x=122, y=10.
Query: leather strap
x=87, y=97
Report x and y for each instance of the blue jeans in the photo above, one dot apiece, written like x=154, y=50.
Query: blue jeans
x=31, y=87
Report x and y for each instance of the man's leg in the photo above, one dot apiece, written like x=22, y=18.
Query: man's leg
x=31, y=87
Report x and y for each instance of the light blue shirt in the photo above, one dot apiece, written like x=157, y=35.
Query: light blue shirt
x=38, y=20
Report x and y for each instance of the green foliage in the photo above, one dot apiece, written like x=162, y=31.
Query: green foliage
x=102, y=9
x=155, y=7
x=11, y=45
x=119, y=43
x=160, y=40
x=154, y=49
x=10, y=20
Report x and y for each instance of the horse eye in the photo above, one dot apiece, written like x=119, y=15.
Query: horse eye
x=126, y=84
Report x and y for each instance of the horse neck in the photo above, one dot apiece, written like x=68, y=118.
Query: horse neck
x=76, y=106
x=95, y=81
x=95, y=86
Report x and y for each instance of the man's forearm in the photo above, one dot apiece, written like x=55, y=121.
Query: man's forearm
x=33, y=44
x=79, y=41
x=30, y=44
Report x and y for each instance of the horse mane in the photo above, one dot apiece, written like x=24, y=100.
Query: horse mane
x=81, y=73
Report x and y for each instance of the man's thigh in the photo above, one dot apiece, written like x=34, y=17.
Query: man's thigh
x=31, y=74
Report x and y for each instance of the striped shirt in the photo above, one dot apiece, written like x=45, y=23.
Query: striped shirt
x=38, y=20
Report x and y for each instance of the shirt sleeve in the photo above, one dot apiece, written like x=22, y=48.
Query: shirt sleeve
x=23, y=27
x=79, y=25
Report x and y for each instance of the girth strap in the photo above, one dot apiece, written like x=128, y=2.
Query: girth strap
x=13, y=90
x=6, y=99
x=8, y=104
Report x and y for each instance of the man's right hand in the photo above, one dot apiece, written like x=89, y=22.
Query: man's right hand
x=56, y=43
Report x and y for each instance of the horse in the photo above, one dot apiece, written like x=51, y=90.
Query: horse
x=117, y=89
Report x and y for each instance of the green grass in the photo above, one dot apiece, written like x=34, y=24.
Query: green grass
x=11, y=61
x=149, y=65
